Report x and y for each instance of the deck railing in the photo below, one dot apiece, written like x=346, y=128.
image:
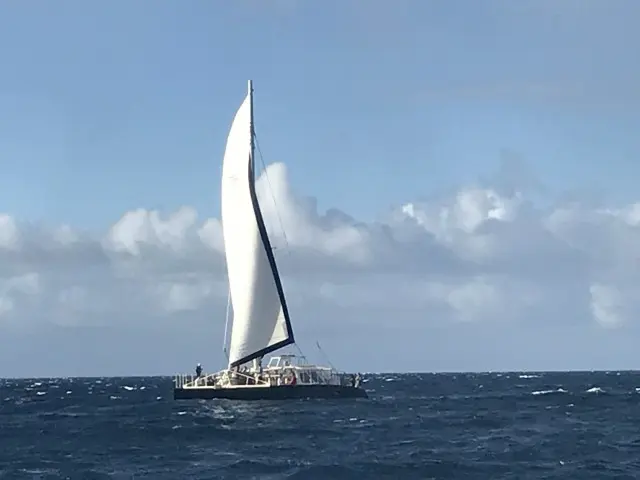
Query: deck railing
x=212, y=380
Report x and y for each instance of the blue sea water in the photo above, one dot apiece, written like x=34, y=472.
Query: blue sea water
x=413, y=426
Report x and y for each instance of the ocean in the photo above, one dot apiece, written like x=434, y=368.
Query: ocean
x=414, y=426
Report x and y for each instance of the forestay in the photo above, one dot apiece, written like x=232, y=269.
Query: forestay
x=260, y=317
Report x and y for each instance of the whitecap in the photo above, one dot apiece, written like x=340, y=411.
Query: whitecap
x=595, y=390
x=547, y=392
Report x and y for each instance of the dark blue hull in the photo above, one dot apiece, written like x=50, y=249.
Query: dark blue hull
x=283, y=392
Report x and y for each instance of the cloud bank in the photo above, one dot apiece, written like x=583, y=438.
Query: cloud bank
x=475, y=260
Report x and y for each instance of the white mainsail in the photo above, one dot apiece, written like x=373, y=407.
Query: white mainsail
x=260, y=317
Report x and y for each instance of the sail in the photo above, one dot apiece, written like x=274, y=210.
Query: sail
x=260, y=317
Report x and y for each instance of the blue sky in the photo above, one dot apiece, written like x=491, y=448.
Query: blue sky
x=110, y=107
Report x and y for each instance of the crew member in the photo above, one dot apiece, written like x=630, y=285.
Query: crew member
x=198, y=370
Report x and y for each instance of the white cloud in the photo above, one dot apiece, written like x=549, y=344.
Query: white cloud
x=9, y=235
x=15, y=291
x=478, y=258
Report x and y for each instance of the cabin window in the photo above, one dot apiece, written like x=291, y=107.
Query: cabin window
x=273, y=362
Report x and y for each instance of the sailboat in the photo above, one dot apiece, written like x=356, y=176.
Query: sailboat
x=261, y=323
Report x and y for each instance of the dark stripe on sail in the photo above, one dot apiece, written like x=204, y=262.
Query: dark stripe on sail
x=276, y=276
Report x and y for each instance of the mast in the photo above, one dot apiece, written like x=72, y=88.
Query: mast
x=251, y=129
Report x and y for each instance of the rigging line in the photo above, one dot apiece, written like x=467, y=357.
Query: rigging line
x=299, y=350
x=326, y=357
x=226, y=326
x=264, y=167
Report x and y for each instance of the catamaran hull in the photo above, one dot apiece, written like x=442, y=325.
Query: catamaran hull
x=284, y=392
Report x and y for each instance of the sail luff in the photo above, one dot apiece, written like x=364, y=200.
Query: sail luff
x=261, y=321
x=252, y=132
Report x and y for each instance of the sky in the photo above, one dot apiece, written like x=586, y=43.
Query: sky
x=451, y=186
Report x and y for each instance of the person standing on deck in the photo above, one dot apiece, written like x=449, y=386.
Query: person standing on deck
x=198, y=370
